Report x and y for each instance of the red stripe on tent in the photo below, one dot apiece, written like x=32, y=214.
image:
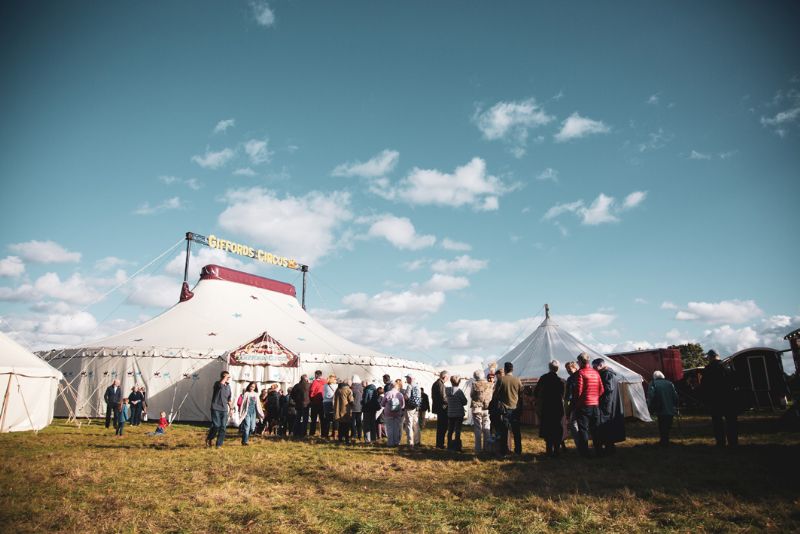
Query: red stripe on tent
x=217, y=272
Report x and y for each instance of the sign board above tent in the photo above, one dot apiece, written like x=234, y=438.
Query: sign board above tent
x=247, y=251
x=264, y=350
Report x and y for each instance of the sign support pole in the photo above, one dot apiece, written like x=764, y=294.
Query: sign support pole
x=304, y=268
x=189, y=238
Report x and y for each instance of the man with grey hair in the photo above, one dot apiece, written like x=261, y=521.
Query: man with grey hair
x=662, y=400
x=611, y=424
x=439, y=401
x=480, y=397
x=549, y=395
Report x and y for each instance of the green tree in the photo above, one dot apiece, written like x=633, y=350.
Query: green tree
x=692, y=355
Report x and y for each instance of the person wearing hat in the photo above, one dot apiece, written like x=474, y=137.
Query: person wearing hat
x=719, y=396
x=411, y=418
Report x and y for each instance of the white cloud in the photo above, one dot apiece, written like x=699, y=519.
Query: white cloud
x=173, y=203
x=634, y=199
x=258, y=151
x=214, y=160
x=169, y=180
x=23, y=293
x=75, y=289
x=11, y=267
x=415, y=265
x=639, y=300
x=302, y=227
x=575, y=127
x=379, y=165
x=156, y=291
x=449, y=244
x=727, y=339
x=445, y=282
x=726, y=311
x=468, y=185
x=78, y=323
x=245, y=171
x=549, y=174
x=388, y=303
x=44, y=252
x=461, y=264
x=202, y=256
x=110, y=262
x=223, y=125
x=655, y=140
x=263, y=14
x=511, y=121
x=654, y=99
x=667, y=305
x=699, y=155
x=397, y=336
x=599, y=212
x=191, y=183
x=400, y=232
x=602, y=210
x=782, y=118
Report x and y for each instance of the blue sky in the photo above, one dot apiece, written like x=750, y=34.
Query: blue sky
x=445, y=168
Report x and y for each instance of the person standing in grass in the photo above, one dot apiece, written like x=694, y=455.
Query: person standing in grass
x=480, y=397
x=249, y=410
x=273, y=410
x=662, y=400
x=439, y=400
x=508, y=393
x=411, y=417
x=221, y=406
x=394, y=404
x=315, y=396
x=371, y=404
x=328, y=393
x=302, y=401
x=113, y=399
x=380, y=422
x=569, y=401
x=588, y=389
x=611, y=425
x=136, y=402
x=456, y=400
x=424, y=408
x=549, y=394
x=357, y=387
x=718, y=392
x=124, y=417
x=343, y=410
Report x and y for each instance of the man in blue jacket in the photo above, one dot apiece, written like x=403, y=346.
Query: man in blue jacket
x=113, y=398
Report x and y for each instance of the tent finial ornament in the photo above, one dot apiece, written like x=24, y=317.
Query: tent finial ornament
x=547, y=311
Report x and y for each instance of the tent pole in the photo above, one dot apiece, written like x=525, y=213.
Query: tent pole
x=5, y=403
x=304, y=268
x=188, y=252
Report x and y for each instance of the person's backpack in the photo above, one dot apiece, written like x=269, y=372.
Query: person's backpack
x=412, y=402
x=395, y=404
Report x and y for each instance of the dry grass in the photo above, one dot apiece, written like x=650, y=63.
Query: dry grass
x=69, y=479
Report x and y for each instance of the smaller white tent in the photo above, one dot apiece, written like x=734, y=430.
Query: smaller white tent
x=549, y=342
x=28, y=386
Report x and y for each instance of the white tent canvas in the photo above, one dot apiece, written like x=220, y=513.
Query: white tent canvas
x=179, y=354
x=28, y=388
x=549, y=342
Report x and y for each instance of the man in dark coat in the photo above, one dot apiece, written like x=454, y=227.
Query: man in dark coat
x=508, y=397
x=439, y=401
x=719, y=396
x=221, y=404
x=302, y=401
x=611, y=423
x=549, y=395
x=136, y=401
x=113, y=398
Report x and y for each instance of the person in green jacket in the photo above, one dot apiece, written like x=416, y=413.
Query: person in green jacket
x=662, y=400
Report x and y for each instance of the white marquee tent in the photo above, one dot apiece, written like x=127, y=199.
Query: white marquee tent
x=549, y=342
x=252, y=326
x=28, y=386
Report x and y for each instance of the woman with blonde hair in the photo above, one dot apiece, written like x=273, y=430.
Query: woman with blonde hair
x=328, y=393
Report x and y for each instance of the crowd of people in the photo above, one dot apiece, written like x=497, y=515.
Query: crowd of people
x=587, y=407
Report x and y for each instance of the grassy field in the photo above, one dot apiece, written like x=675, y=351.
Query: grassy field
x=70, y=479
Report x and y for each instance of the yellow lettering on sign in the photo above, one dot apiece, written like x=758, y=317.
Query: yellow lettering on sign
x=250, y=252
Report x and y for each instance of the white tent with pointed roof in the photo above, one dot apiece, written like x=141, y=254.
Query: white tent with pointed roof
x=28, y=388
x=254, y=327
x=549, y=342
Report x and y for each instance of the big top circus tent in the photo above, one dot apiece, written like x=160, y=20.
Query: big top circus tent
x=550, y=342
x=254, y=327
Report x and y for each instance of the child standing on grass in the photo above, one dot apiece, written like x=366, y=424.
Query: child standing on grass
x=124, y=416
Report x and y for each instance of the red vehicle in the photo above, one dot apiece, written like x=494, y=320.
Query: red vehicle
x=644, y=362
